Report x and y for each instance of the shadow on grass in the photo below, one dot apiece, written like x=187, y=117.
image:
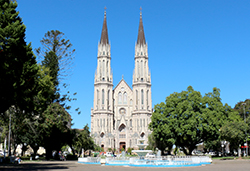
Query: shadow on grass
x=35, y=166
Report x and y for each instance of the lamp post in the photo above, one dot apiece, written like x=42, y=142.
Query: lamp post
x=9, y=149
x=244, y=104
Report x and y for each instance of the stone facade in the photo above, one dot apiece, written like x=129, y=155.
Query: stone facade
x=121, y=116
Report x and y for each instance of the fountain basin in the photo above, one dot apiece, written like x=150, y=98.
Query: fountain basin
x=142, y=153
x=171, y=161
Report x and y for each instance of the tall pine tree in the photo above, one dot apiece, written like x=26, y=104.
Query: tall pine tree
x=18, y=68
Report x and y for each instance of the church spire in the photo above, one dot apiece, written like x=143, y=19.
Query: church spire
x=141, y=37
x=104, y=37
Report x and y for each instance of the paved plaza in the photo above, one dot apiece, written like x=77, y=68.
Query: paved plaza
x=217, y=165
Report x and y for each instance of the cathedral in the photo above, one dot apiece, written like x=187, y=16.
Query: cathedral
x=121, y=115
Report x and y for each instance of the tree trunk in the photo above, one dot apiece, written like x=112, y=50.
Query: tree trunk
x=24, y=149
x=48, y=153
x=73, y=151
x=35, y=148
x=184, y=150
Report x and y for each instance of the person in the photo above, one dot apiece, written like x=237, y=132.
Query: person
x=17, y=159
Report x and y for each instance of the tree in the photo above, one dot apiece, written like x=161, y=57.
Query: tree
x=18, y=67
x=54, y=127
x=161, y=131
x=55, y=41
x=188, y=118
x=239, y=107
x=52, y=63
x=26, y=130
x=234, y=132
x=57, y=55
x=83, y=140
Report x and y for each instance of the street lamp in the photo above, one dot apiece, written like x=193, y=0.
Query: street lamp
x=244, y=104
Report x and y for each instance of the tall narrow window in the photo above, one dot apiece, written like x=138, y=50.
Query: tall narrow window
x=141, y=68
x=120, y=98
x=142, y=97
x=138, y=69
x=125, y=98
x=107, y=69
x=97, y=96
x=100, y=67
x=103, y=96
x=108, y=99
x=103, y=69
x=108, y=124
x=136, y=97
x=137, y=124
x=147, y=97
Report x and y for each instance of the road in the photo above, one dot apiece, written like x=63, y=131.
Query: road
x=217, y=165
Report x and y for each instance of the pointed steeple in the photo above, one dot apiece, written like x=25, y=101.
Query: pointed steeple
x=104, y=37
x=141, y=37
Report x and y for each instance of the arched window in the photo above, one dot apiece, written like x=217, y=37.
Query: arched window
x=97, y=122
x=120, y=98
x=103, y=96
x=142, y=97
x=125, y=98
x=104, y=123
x=122, y=128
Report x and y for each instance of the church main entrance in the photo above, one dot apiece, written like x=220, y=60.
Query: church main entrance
x=122, y=146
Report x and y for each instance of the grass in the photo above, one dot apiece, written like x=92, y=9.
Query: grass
x=230, y=158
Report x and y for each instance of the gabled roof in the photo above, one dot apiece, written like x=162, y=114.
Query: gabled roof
x=104, y=37
x=120, y=83
x=141, y=37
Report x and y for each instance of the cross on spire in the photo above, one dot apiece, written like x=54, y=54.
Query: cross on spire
x=104, y=37
x=105, y=11
x=141, y=37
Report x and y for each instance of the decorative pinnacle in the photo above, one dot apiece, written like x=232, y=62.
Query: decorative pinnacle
x=140, y=11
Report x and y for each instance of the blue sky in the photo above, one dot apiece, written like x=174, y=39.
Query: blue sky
x=204, y=44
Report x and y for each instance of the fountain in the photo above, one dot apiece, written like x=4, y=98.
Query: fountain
x=159, y=161
x=141, y=152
